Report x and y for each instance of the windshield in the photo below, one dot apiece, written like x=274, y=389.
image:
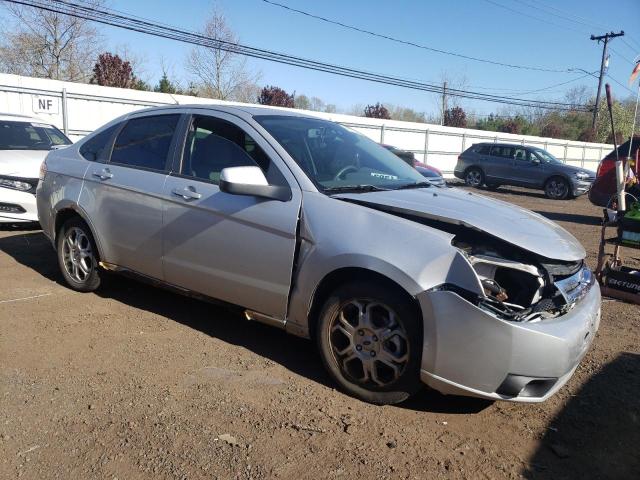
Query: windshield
x=545, y=156
x=30, y=136
x=336, y=158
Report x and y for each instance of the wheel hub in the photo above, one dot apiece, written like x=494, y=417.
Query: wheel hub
x=366, y=343
x=369, y=343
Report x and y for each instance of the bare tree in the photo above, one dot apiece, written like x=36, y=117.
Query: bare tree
x=218, y=73
x=453, y=82
x=46, y=44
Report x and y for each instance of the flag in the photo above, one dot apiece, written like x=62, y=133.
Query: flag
x=635, y=73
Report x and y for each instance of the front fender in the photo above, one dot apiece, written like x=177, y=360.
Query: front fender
x=336, y=234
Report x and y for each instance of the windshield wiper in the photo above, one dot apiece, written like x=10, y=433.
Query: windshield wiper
x=415, y=185
x=355, y=189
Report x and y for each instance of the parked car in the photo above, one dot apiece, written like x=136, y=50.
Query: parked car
x=432, y=174
x=496, y=164
x=24, y=143
x=316, y=229
x=405, y=155
x=604, y=186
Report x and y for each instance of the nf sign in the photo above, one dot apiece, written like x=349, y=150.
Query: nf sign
x=46, y=104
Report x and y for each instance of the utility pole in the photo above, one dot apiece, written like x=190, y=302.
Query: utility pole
x=605, y=38
x=444, y=102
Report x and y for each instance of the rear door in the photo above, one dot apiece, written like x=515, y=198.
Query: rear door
x=123, y=194
x=235, y=248
x=500, y=163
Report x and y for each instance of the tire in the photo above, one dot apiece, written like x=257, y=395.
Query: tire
x=77, y=256
x=351, y=322
x=474, y=177
x=557, y=188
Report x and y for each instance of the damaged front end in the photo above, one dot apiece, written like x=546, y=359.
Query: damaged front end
x=520, y=286
x=509, y=249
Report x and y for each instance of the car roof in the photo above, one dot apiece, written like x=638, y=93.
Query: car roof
x=13, y=117
x=232, y=109
x=502, y=144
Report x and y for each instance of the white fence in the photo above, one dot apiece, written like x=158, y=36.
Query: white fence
x=79, y=108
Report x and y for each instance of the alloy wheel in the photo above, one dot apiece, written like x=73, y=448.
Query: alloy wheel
x=557, y=188
x=474, y=178
x=369, y=343
x=77, y=255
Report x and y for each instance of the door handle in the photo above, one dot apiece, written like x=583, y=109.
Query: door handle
x=104, y=174
x=188, y=193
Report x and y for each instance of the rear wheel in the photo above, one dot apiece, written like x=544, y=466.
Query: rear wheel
x=77, y=256
x=557, y=188
x=370, y=340
x=474, y=177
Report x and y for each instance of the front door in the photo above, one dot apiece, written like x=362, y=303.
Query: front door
x=529, y=170
x=235, y=248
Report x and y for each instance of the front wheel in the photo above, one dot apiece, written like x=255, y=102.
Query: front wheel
x=77, y=256
x=557, y=188
x=370, y=339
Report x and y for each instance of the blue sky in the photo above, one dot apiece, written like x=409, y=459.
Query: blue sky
x=473, y=27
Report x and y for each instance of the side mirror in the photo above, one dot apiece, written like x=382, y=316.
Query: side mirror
x=251, y=181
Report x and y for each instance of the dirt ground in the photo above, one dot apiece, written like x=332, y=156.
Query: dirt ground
x=134, y=382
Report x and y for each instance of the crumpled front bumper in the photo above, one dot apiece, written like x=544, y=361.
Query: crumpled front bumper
x=17, y=206
x=469, y=352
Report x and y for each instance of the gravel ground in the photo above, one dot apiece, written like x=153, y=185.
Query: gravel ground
x=134, y=382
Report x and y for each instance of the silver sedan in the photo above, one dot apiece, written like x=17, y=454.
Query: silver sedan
x=313, y=228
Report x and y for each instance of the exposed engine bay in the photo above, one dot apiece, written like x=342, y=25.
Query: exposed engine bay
x=518, y=286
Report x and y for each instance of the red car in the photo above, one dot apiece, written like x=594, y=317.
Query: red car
x=604, y=187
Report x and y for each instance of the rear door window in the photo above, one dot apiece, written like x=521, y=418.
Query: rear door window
x=96, y=149
x=145, y=142
x=502, y=151
x=483, y=149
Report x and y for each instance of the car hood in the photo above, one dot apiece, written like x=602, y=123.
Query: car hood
x=508, y=222
x=573, y=169
x=21, y=163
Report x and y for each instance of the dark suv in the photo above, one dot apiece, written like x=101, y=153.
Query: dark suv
x=496, y=164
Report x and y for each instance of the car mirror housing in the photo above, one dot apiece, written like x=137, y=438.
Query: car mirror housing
x=251, y=181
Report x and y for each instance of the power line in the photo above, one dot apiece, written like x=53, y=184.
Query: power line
x=627, y=59
x=572, y=17
x=410, y=43
x=109, y=17
x=543, y=20
x=620, y=83
x=547, y=9
x=558, y=15
x=516, y=91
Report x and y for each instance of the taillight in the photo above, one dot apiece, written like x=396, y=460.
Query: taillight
x=605, y=166
x=43, y=170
